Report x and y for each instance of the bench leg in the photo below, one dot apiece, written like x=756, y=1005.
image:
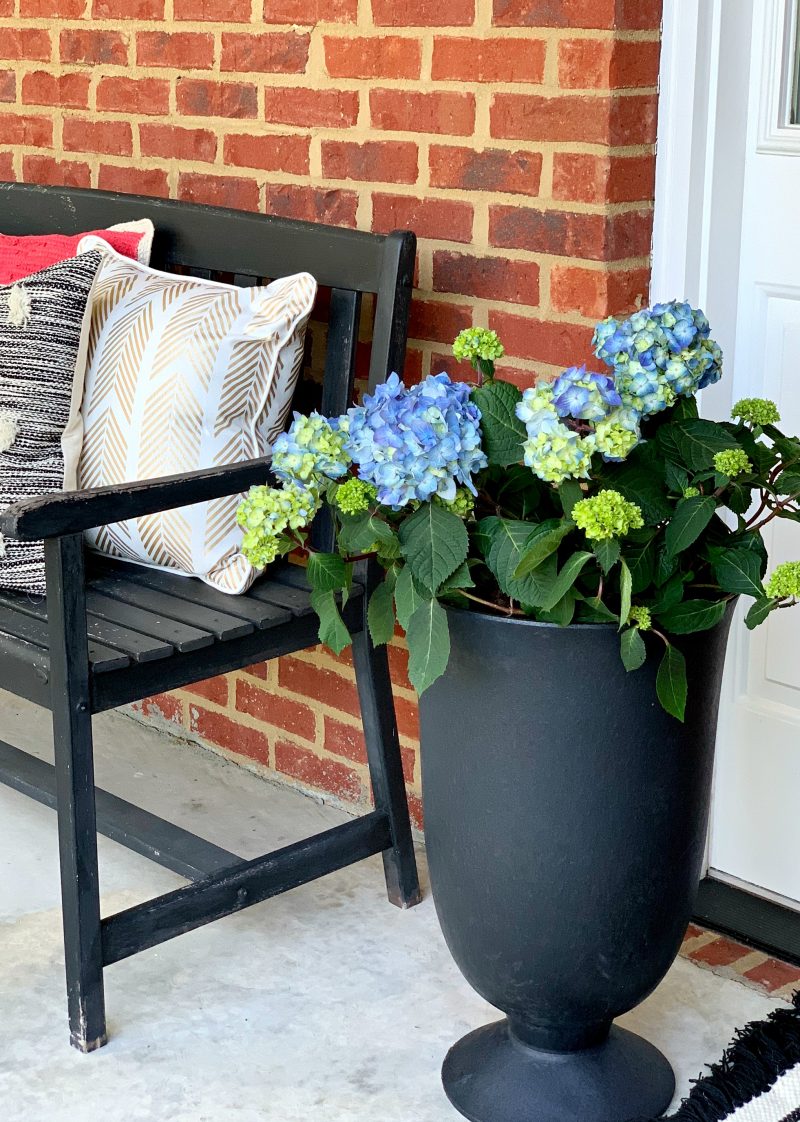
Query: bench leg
x=74, y=764
x=385, y=765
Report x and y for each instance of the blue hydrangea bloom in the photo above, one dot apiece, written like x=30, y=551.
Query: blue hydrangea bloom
x=659, y=354
x=553, y=451
x=312, y=446
x=412, y=444
x=584, y=396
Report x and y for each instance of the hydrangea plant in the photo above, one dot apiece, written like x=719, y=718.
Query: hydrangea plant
x=598, y=497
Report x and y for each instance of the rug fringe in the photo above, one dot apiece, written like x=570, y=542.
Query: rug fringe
x=759, y=1054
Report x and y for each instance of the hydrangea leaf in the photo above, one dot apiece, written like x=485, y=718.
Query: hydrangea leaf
x=568, y=574
x=788, y=482
x=697, y=442
x=563, y=612
x=666, y=566
x=669, y=595
x=570, y=492
x=593, y=610
x=625, y=593
x=508, y=544
x=332, y=629
x=461, y=578
x=640, y=484
x=693, y=615
x=739, y=571
x=434, y=543
x=428, y=637
x=544, y=540
x=671, y=685
x=632, y=649
x=407, y=597
x=759, y=610
x=380, y=612
x=503, y=431
x=677, y=477
x=327, y=572
x=640, y=555
x=607, y=553
x=362, y=533
x=487, y=530
x=688, y=522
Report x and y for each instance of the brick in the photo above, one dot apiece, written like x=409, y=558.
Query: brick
x=279, y=52
x=558, y=344
x=345, y=740
x=447, y=219
x=69, y=91
x=438, y=321
x=492, y=278
x=291, y=716
x=268, y=152
x=37, y=132
x=113, y=138
x=375, y=161
x=409, y=111
x=170, y=142
x=407, y=717
x=385, y=56
x=312, y=204
x=163, y=706
x=423, y=13
x=213, y=689
x=8, y=85
x=52, y=9
x=607, y=64
x=7, y=167
x=488, y=60
x=398, y=662
x=630, y=234
x=237, y=192
x=215, y=11
x=55, y=173
x=415, y=810
x=597, y=293
x=722, y=952
x=555, y=13
x=198, y=97
x=531, y=117
x=580, y=177
x=310, y=11
x=308, y=108
x=6, y=9
x=773, y=975
x=633, y=120
x=25, y=43
x=319, y=683
x=639, y=15
x=134, y=181
x=94, y=47
x=230, y=734
x=186, y=50
x=145, y=96
x=694, y=932
x=493, y=169
x=320, y=772
x=128, y=9
x=548, y=231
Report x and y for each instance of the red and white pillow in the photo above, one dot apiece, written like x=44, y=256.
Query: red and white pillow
x=20, y=257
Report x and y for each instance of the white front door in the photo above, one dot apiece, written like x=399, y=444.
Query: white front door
x=745, y=212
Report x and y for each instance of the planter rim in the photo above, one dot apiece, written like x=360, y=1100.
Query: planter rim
x=529, y=622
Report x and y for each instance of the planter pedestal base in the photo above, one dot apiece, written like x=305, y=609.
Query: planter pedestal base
x=491, y=1076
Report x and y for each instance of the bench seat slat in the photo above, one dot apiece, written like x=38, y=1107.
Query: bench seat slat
x=34, y=631
x=260, y=614
x=138, y=647
x=180, y=635
x=220, y=625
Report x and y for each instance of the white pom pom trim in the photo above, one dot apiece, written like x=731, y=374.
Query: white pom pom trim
x=19, y=306
x=9, y=427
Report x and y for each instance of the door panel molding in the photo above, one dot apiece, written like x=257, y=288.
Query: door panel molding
x=776, y=133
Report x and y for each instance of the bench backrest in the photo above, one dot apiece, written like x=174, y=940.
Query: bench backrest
x=209, y=241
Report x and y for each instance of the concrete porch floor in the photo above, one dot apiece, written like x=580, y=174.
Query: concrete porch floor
x=324, y=1004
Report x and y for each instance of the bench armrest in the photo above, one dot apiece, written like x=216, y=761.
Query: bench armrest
x=72, y=512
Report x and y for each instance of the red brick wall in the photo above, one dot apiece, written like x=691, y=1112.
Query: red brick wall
x=515, y=136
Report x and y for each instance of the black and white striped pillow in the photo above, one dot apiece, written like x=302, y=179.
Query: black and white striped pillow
x=44, y=329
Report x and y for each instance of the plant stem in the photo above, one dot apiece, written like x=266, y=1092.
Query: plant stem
x=512, y=611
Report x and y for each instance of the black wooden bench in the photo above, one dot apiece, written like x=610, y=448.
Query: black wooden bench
x=110, y=634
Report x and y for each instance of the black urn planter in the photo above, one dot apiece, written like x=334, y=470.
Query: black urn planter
x=565, y=823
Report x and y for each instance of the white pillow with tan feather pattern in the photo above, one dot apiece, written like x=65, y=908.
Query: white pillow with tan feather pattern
x=186, y=374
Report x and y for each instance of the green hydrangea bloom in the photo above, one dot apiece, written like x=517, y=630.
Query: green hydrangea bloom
x=732, y=462
x=614, y=441
x=606, y=515
x=785, y=581
x=641, y=617
x=268, y=512
x=355, y=496
x=475, y=343
x=313, y=446
x=462, y=505
x=756, y=411
x=691, y=492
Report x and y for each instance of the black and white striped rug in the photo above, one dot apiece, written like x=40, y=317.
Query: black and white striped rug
x=758, y=1078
